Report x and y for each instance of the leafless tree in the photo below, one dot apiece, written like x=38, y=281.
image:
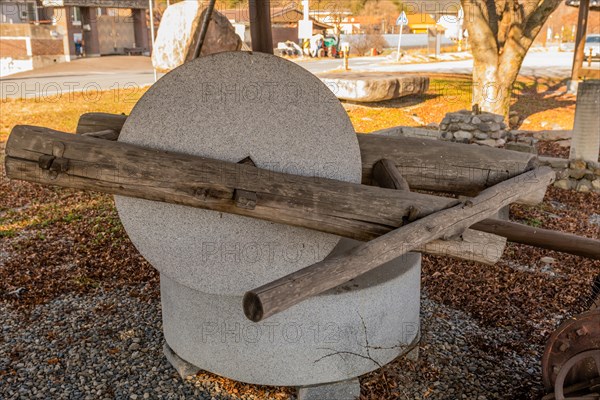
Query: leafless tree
x=500, y=33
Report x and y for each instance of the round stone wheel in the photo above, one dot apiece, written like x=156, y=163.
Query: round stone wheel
x=230, y=106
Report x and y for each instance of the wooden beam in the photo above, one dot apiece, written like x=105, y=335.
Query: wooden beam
x=108, y=134
x=285, y=292
x=430, y=165
x=355, y=211
x=470, y=245
x=96, y=121
x=386, y=175
x=351, y=210
x=439, y=166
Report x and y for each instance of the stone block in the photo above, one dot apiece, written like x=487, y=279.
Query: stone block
x=584, y=185
x=466, y=127
x=578, y=173
x=453, y=127
x=484, y=127
x=522, y=147
x=463, y=135
x=487, y=142
x=480, y=135
x=596, y=184
x=193, y=110
x=563, y=184
x=497, y=134
x=495, y=127
x=320, y=340
x=183, y=368
x=179, y=31
x=593, y=166
x=562, y=174
x=366, y=87
x=555, y=162
x=578, y=164
x=346, y=390
x=447, y=135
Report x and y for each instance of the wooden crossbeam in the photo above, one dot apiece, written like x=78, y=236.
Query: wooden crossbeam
x=430, y=165
x=285, y=292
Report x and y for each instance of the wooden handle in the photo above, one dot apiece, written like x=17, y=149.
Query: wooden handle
x=285, y=292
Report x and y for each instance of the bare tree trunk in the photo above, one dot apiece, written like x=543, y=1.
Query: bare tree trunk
x=500, y=34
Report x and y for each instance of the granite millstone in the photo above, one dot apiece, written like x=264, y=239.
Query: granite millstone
x=229, y=106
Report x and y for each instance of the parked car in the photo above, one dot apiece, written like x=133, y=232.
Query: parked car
x=592, y=42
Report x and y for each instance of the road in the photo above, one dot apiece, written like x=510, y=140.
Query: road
x=535, y=64
x=105, y=73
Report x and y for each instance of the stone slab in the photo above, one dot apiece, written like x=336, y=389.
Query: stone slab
x=179, y=31
x=346, y=390
x=366, y=87
x=183, y=368
x=229, y=106
x=339, y=335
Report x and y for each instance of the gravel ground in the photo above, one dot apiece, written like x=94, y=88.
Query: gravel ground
x=109, y=345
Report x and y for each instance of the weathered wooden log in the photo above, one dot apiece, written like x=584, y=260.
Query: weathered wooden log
x=351, y=210
x=481, y=247
x=96, y=121
x=385, y=174
x=287, y=291
x=107, y=134
x=444, y=166
x=425, y=164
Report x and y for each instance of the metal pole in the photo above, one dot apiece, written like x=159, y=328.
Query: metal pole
x=399, y=42
x=579, y=56
x=204, y=28
x=151, y=5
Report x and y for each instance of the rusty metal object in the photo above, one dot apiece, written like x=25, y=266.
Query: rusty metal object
x=572, y=355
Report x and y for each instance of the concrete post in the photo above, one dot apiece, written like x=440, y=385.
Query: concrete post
x=586, y=132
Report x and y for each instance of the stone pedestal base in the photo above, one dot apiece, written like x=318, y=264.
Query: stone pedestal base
x=336, y=336
x=346, y=390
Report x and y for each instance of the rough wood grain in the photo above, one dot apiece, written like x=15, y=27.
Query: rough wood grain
x=443, y=166
x=471, y=245
x=385, y=174
x=425, y=164
x=285, y=292
x=350, y=210
x=107, y=134
x=96, y=121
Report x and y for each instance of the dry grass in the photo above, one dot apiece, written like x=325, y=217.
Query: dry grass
x=61, y=112
x=540, y=102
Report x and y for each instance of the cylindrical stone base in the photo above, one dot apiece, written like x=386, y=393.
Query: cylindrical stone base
x=341, y=334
